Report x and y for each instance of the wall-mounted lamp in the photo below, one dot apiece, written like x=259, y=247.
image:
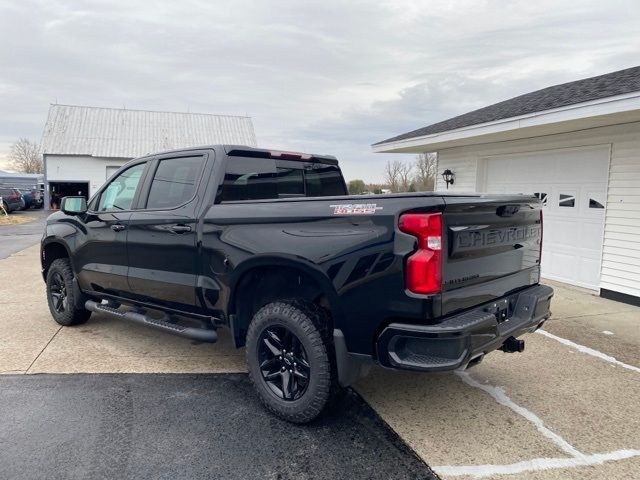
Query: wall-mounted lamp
x=448, y=177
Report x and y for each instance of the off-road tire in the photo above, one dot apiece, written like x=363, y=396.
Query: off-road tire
x=70, y=314
x=309, y=323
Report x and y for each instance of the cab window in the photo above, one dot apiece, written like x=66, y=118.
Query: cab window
x=257, y=179
x=175, y=182
x=324, y=181
x=121, y=190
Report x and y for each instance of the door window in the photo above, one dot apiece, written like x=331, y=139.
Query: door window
x=175, y=182
x=596, y=199
x=120, y=192
x=543, y=197
x=567, y=200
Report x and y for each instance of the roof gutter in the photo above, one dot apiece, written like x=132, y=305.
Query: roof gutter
x=604, y=106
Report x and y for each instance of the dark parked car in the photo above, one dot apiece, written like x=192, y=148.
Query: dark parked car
x=11, y=199
x=27, y=197
x=316, y=284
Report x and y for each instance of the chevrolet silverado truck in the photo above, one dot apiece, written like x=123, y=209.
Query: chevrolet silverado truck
x=317, y=285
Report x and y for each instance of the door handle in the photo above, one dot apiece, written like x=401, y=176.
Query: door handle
x=180, y=228
x=116, y=227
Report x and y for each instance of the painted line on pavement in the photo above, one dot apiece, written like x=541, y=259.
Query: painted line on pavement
x=589, y=351
x=575, y=459
x=537, y=464
x=502, y=398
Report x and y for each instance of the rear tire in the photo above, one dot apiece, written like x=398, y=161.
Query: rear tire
x=61, y=296
x=287, y=342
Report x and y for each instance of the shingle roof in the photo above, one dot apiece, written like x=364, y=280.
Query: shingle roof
x=579, y=91
x=122, y=133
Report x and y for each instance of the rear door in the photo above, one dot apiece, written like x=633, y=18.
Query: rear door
x=493, y=248
x=162, y=247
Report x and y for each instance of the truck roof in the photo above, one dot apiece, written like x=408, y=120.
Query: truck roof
x=243, y=151
x=246, y=151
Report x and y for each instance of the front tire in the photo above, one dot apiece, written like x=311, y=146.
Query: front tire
x=289, y=359
x=61, y=296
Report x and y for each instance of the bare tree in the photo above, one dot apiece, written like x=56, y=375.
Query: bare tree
x=25, y=157
x=392, y=174
x=405, y=176
x=426, y=170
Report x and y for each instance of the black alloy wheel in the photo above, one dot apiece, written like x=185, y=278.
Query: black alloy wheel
x=58, y=292
x=290, y=359
x=283, y=363
x=66, y=304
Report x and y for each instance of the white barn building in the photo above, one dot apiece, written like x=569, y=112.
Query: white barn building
x=83, y=146
x=577, y=147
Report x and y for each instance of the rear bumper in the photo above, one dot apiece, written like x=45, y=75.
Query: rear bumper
x=459, y=339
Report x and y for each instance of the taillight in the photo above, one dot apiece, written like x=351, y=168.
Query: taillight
x=289, y=155
x=541, y=232
x=424, y=267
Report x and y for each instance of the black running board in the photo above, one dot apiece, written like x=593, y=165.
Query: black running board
x=199, y=334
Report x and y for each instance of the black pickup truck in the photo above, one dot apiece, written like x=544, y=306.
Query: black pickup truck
x=316, y=284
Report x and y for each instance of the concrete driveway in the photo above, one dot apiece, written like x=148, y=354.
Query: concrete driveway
x=563, y=409
x=14, y=238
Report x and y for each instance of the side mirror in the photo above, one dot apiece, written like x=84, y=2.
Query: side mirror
x=73, y=205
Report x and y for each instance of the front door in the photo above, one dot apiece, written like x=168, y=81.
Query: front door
x=162, y=245
x=101, y=257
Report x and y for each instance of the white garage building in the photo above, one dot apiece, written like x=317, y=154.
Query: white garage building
x=577, y=147
x=83, y=146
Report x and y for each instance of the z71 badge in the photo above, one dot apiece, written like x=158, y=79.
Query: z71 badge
x=355, y=209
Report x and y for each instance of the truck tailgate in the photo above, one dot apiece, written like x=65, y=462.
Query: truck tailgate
x=493, y=248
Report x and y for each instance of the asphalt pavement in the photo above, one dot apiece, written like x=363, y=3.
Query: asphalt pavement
x=166, y=426
x=14, y=238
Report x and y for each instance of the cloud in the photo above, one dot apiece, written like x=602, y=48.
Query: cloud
x=327, y=76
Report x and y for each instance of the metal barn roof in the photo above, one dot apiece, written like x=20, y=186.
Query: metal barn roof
x=571, y=93
x=33, y=176
x=123, y=133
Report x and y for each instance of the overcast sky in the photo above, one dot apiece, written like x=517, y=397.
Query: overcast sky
x=323, y=77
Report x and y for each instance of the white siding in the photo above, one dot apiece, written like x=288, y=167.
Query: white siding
x=80, y=168
x=463, y=165
x=620, y=269
x=621, y=253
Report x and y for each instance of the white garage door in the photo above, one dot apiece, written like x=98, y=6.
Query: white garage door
x=572, y=184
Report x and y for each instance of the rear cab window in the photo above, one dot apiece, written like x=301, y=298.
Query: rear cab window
x=248, y=178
